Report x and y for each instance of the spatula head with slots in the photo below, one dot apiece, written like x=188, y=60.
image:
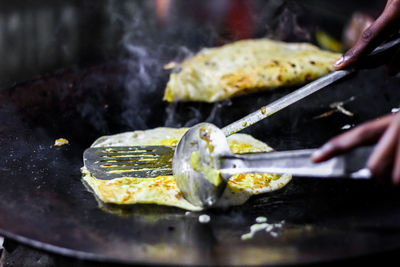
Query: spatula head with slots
x=135, y=161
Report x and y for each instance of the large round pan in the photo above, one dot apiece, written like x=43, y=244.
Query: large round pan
x=44, y=203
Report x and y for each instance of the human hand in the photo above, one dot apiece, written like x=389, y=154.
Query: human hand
x=384, y=162
x=378, y=32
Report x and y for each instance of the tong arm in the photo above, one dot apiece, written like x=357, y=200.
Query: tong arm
x=298, y=163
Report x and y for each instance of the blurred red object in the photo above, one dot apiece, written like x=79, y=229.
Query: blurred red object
x=162, y=10
x=239, y=20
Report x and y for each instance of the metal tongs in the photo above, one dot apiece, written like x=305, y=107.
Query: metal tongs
x=203, y=163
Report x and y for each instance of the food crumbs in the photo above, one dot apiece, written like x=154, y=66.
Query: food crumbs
x=347, y=126
x=395, y=110
x=270, y=228
x=204, y=218
x=254, y=229
x=170, y=65
x=61, y=142
x=263, y=110
x=261, y=219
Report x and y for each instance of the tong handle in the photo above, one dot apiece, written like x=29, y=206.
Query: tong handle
x=298, y=163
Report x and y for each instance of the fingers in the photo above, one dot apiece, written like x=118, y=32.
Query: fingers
x=366, y=133
x=375, y=34
x=384, y=162
x=381, y=160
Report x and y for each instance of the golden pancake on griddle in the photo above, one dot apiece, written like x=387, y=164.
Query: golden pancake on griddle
x=163, y=190
x=246, y=66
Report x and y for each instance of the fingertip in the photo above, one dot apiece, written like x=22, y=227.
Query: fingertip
x=396, y=181
x=338, y=63
x=322, y=153
x=316, y=156
x=396, y=176
x=345, y=61
x=380, y=171
x=371, y=165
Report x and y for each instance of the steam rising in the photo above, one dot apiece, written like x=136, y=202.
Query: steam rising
x=149, y=43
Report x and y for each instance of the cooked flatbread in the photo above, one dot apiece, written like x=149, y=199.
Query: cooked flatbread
x=163, y=190
x=247, y=66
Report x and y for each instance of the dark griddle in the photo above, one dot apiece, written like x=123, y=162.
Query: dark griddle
x=44, y=204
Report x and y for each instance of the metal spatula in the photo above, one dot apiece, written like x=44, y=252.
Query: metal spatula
x=136, y=161
x=144, y=161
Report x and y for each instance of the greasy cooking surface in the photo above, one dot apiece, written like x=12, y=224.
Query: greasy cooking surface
x=42, y=191
x=43, y=202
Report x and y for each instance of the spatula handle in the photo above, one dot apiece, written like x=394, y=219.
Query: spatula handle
x=283, y=102
x=377, y=57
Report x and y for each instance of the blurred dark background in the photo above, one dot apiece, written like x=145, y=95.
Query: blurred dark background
x=37, y=37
